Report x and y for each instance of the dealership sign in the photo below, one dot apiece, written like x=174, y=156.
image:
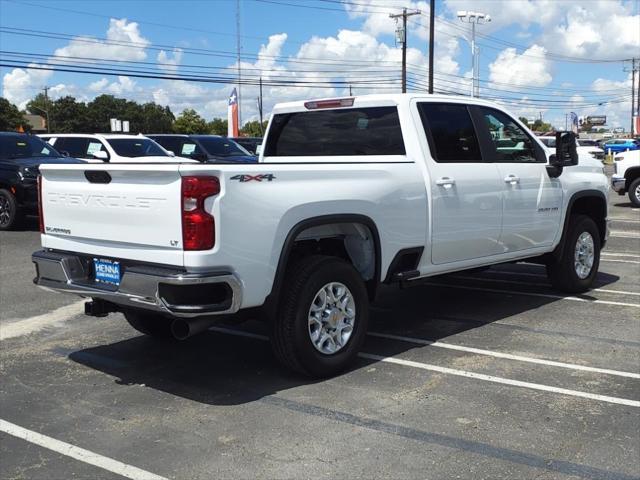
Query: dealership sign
x=596, y=119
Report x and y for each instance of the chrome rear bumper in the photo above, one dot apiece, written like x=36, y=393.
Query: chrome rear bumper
x=161, y=289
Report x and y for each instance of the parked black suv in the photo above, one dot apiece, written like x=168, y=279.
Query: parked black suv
x=204, y=148
x=250, y=144
x=20, y=158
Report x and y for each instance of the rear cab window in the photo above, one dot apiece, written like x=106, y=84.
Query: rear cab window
x=450, y=132
x=336, y=132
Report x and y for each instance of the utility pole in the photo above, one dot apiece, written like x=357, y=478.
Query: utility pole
x=260, y=107
x=566, y=122
x=46, y=103
x=633, y=92
x=238, y=50
x=403, y=39
x=432, y=16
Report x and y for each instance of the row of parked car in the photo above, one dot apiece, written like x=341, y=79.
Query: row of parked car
x=151, y=148
x=21, y=154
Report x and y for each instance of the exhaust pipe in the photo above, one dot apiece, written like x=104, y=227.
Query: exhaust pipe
x=182, y=328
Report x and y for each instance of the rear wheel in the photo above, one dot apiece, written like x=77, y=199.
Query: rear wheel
x=634, y=192
x=576, y=270
x=150, y=324
x=10, y=215
x=323, y=317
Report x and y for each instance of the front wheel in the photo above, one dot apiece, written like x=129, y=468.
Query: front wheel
x=323, y=317
x=10, y=215
x=634, y=192
x=576, y=270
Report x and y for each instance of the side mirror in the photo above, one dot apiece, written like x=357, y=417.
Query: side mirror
x=101, y=155
x=566, y=153
x=258, y=149
x=171, y=153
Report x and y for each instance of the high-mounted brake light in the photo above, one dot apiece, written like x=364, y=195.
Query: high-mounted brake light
x=40, y=209
x=334, y=103
x=198, y=227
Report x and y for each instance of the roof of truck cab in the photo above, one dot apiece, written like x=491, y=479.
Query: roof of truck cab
x=385, y=99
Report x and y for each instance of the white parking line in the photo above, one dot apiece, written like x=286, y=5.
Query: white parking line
x=612, y=254
x=78, y=453
x=508, y=356
x=536, y=284
x=531, y=294
x=461, y=373
x=618, y=261
x=504, y=381
x=624, y=234
x=17, y=328
x=623, y=220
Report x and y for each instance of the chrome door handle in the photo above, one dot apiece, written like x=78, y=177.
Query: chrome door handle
x=512, y=179
x=445, y=182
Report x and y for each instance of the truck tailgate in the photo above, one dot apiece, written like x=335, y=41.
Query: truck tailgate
x=121, y=210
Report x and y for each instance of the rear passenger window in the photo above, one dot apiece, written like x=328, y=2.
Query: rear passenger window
x=450, y=132
x=353, y=131
x=74, y=146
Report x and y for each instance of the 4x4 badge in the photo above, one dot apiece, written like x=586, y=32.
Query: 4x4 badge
x=254, y=178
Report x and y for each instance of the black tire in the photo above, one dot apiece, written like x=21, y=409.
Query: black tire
x=150, y=324
x=10, y=215
x=562, y=272
x=290, y=336
x=634, y=192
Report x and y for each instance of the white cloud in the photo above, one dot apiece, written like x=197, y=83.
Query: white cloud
x=21, y=85
x=99, y=85
x=120, y=35
x=527, y=69
x=170, y=63
x=571, y=27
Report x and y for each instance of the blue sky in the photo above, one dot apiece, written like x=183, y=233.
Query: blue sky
x=539, y=56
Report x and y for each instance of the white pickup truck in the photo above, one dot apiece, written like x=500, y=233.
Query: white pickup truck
x=348, y=194
x=626, y=176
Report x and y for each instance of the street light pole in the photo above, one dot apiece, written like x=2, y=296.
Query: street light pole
x=474, y=18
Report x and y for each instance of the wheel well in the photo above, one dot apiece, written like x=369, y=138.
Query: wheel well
x=594, y=207
x=351, y=237
x=630, y=175
x=352, y=242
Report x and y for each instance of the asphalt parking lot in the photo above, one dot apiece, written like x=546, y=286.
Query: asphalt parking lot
x=475, y=375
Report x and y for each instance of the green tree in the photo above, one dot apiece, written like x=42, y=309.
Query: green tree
x=10, y=116
x=524, y=120
x=190, y=122
x=103, y=108
x=540, y=126
x=156, y=118
x=252, y=129
x=218, y=126
x=68, y=116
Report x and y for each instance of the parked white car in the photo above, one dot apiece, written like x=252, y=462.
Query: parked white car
x=112, y=148
x=585, y=150
x=349, y=193
x=626, y=177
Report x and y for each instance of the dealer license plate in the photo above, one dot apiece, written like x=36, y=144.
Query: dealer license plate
x=106, y=271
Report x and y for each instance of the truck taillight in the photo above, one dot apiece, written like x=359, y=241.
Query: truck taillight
x=198, y=227
x=40, y=214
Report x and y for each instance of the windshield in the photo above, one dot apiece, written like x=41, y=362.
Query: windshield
x=25, y=146
x=222, y=147
x=137, y=147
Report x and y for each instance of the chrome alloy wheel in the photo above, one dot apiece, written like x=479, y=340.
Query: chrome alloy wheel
x=332, y=318
x=637, y=192
x=584, y=255
x=5, y=212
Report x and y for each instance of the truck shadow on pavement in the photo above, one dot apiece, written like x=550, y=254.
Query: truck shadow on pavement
x=227, y=369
